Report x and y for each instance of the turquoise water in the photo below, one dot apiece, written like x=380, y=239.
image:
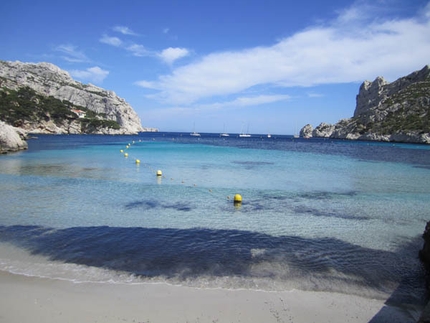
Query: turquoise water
x=316, y=214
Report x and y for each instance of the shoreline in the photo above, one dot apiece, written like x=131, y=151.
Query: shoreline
x=34, y=299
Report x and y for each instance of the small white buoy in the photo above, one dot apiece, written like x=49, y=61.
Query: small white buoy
x=159, y=173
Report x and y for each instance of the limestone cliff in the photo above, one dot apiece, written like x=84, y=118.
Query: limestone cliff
x=397, y=111
x=49, y=80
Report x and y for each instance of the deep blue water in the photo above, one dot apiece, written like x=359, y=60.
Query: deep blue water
x=322, y=215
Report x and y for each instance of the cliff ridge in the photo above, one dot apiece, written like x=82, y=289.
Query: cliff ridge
x=398, y=111
x=50, y=81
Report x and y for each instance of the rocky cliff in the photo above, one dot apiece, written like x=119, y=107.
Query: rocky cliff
x=49, y=80
x=397, y=111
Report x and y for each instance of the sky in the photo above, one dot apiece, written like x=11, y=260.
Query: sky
x=266, y=66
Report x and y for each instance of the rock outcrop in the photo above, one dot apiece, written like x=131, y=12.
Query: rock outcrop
x=324, y=130
x=397, y=111
x=11, y=138
x=306, y=131
x=424, y=255
x=50, y=80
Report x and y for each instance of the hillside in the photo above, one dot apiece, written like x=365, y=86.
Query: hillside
x=397, y=111
x=42, y=98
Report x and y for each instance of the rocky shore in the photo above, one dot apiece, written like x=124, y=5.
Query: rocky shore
x=394, y=112
x=11, y=138
x=424, y=255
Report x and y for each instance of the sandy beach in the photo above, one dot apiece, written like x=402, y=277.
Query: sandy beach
x=31, y=299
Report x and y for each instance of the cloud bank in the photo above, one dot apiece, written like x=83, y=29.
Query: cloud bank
x=352, y=47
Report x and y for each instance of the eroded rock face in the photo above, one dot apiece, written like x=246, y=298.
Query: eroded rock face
x=373, y=95
x=387, y=112
x=50, y=80
x=306, y=131
x=324, y=130
x=11, y=138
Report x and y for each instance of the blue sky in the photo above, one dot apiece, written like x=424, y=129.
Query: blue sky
x=269, y=65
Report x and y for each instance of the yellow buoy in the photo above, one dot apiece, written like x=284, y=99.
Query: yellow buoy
x=137, y=161
x=159, y=173
x=125, y=155
x=121, y=151
x=237, y=199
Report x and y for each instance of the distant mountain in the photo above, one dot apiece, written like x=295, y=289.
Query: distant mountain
x=42, y=98
x=398, y=111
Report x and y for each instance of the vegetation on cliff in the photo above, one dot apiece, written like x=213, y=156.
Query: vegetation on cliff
x=398, y=111
x=101, y=110
x=25, y=106
x=407, y=111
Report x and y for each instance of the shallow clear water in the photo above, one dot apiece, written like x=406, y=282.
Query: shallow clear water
x=316, y=214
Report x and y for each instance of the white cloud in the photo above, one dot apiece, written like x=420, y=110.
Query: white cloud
x=113, y=41
x=354, y=47
x=72, y=54
x=315, y=95
x=124, y=30
x=147, y=85
x=257, y=100
x=93, y=74
x=246, y=101
x=137, y=50
x=169, y=55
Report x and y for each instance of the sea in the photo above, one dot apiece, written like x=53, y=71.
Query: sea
x=316, y=214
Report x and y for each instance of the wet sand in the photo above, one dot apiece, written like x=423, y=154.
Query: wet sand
x=33, y=299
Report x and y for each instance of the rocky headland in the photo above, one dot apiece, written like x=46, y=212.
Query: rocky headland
x=56, y=103
x=397, y=112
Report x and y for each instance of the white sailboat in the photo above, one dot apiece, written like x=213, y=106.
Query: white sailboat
x=224, y=134
x=245, y=135
x=296, y=134
x=194, y=133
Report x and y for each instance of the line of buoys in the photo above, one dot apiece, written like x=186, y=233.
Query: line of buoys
x=237, y=199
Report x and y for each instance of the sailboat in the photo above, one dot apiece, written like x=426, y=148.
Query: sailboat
x=194, y=133
x=245, y=135
x=224, y=134
x=296, y=134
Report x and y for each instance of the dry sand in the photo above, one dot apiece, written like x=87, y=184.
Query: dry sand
x=31, y=299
